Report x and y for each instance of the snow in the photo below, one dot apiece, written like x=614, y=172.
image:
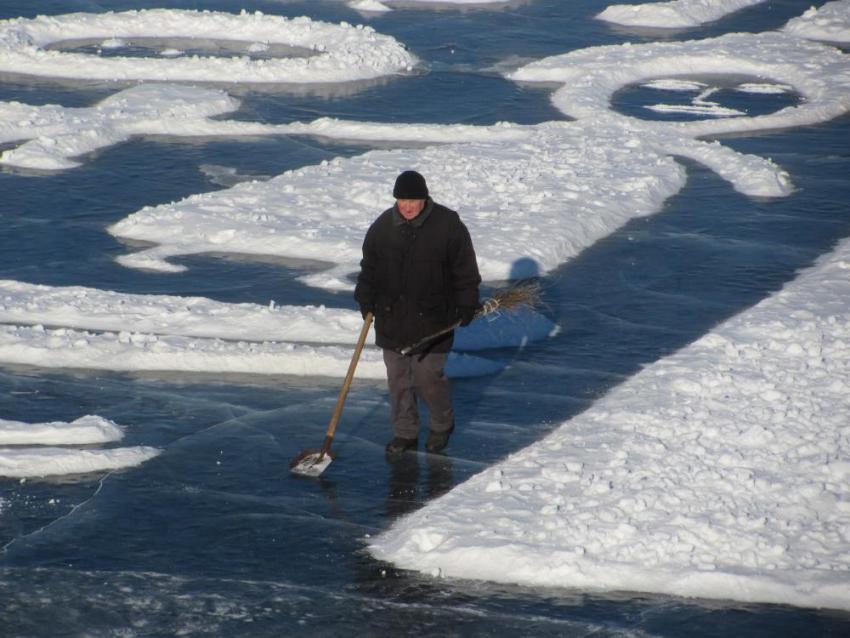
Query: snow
x=17, y=461
x=586, y=177
x=86, y=430
x=368, y=6
x=700, y=104
x=719, y=472
x=341, y=53
x=54, y=461
x=78, y=327
x=673, y=15
x=830, y=23
x=819, y=73
x=56, y=133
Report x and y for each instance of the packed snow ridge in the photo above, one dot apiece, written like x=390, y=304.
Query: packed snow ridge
x=43, y=449
x=677, y=14
x=77, y=327
x=339, y=52
x=719, y=472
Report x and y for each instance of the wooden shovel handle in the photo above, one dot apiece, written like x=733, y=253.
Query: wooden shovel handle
x=349, y=376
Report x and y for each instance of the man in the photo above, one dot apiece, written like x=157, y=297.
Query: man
x=418, y=275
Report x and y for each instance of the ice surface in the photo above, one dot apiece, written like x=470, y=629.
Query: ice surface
x=341, y=52
x=830, y=23
x=675, y=14
x=719, y=472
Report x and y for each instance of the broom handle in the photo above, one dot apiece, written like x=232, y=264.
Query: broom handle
x=490, y=305
x=340, y=401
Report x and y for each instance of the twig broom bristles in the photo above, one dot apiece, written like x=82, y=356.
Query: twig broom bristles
x=518, y=296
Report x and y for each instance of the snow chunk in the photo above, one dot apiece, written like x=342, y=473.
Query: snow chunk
x=86, y=430
x=676, y=14
x=38, y=462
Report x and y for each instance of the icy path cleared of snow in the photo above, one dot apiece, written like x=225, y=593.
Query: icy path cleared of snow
x=28, y=462
x=341, y=53
x=677, y=14
x=722, y=471
x=829, y=23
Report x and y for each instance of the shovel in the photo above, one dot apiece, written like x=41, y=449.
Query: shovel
x=313, y=462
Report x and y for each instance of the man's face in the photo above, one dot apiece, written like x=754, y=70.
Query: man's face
x=410, y=208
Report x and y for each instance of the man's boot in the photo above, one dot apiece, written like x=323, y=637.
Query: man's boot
x=399, y=445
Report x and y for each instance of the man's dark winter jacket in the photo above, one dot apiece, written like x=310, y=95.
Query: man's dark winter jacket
x=416, y=274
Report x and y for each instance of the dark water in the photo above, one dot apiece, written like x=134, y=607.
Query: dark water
x=213, y=537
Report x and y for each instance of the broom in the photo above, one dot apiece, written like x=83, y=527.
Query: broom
x=521, y=295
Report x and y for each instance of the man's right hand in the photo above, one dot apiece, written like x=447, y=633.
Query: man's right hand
x=365, y=309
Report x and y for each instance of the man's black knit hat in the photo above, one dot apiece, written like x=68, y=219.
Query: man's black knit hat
x=410, y=185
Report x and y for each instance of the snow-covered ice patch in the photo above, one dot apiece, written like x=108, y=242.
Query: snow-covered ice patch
x=90, y=309
x=819, y=73
x=54, y=135
x=368, y=6
x=585, y=178
x=87, y=430
x=719, y=472
x=584, y=181
x=144, y=352
x=763, y=88
x=18, y=460
x=342, y=52
x=829, y=23
x=55, y=461
x=672, y=84
x=677, y=14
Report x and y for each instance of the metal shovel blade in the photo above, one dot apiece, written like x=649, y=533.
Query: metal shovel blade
x=310, y=463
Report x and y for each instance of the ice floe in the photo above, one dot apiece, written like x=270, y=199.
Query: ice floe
x=339, y=53
x=677, y=14
x=721, y=471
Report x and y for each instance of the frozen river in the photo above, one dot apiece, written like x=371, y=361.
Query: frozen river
x=212, y=536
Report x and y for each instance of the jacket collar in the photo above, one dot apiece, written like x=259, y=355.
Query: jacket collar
x=417, y=221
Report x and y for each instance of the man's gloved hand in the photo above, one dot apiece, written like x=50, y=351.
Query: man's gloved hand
x=465, y=314
x=365, y=309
